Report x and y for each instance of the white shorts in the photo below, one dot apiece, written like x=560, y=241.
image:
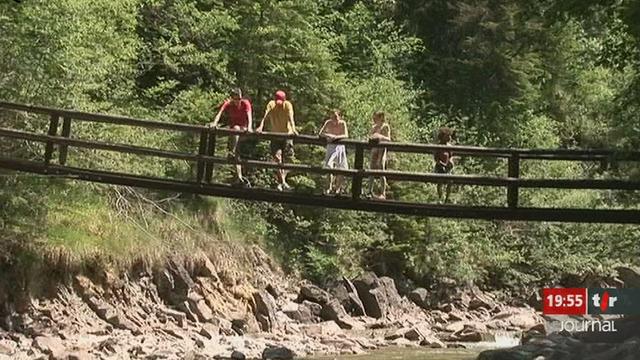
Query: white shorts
x=336, y=157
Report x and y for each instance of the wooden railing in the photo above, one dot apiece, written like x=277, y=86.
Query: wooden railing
x=205, y=158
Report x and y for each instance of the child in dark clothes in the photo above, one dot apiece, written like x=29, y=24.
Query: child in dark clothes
x=444, y=160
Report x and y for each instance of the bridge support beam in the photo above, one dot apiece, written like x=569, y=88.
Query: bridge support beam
x=356, y=186
x=53, y=131
x=512, y=189
x=64, y=149
x=210, y=151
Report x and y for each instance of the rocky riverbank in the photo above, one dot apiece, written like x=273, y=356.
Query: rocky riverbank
x=207, y=307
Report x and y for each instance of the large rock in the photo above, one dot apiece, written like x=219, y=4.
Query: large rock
x=326, y=328
x=314, y=294
x=278, y=353
x=237, y=355
x=518, y=318
x=481, y=300
x=50, y=346
x=265, y=310
x=173, y=283
x=347, y=294
x=420, y=297
x=8, y=347
x=418, y=332
x=472, y=332
x=199, y=306
x=379, y=295
x=432, y=342
x=314, y=308
x=332, y=310
x=301, y=312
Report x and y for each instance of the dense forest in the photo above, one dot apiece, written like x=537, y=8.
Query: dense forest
x=535, y=74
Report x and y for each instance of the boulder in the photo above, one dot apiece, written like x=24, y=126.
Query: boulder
x=395, y=334
x=8, y=347
x=432, y=342
x=209, y=331
x=50, y=346
x=203, y=267
x=418, y=332
x=237, y=355
x=481, y=300
x=379, y=295
x=332, y=310
x=420, y=297
x=201, y=309
x=302, y=312
x=178, y=316
x=349, y=323
x=173, y=283
x=347, y=294
x=265, y=310
x=455, y=326
x=472, y=332
x=239, y=326
x=314, y=294
x=326, y=328
x=314, y=309
x=278, y=353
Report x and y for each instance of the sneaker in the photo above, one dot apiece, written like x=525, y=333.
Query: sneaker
x=286, y=186
x=280, y=187
x=245, y=182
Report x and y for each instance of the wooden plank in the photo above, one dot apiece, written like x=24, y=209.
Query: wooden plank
x=96, y=145
x=64, y=149
x=100, y=118
x=356, y=185
x=53, y=130
x=383, y=206
x=210, y=152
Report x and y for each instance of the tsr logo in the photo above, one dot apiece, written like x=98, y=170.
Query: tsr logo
x=605, y=303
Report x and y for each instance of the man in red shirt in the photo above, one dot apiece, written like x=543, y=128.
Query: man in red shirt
x=240, y=117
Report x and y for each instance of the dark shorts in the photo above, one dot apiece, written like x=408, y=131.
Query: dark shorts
x=442, y=169
x=285, y=145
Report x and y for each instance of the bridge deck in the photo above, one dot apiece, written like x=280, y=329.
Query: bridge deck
x=205, y=160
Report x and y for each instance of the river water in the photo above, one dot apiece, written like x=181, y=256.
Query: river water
x=408, y=354
x=502, y=340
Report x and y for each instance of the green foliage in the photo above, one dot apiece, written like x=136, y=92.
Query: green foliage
x=541, y=74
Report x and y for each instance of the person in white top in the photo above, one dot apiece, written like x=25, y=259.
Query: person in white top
x=336, y=157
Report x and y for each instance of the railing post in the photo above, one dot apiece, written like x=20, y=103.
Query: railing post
x=53, y=130
x=210, y=151
x=204, y=136
x=604, y=164
x=356, y=187
x=514, y=172
x=66, y=132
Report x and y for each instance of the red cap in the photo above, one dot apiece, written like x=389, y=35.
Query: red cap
x=281, y=96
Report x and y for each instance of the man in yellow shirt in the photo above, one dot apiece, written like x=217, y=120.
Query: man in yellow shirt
x=279, y=117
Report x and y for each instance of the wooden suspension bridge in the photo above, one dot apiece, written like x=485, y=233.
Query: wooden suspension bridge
x=58, y=137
